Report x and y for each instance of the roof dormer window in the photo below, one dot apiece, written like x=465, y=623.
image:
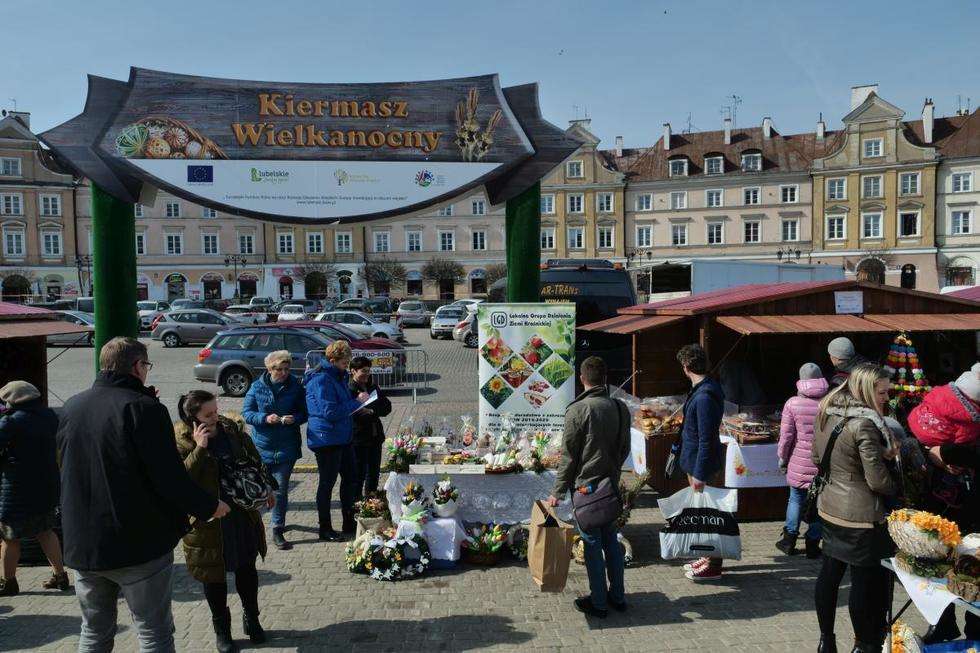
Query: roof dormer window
x=714, y=165
x=751, y=162
x=678, y=167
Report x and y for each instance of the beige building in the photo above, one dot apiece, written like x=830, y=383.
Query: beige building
x=37, y=210
x=958, y=202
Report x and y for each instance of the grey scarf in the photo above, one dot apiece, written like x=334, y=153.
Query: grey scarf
x=848, y=412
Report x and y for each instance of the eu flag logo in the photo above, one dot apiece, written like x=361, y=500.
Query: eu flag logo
x=200, y=174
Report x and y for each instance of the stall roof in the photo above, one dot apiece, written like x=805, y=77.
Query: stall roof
x=758, y=324
x=928, y=322
x=31, y=328
x=972, y=293
x=627, y=324
x=11, y=310
x=717, y=300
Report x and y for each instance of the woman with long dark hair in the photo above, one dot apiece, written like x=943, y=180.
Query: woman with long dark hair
x=211, y=446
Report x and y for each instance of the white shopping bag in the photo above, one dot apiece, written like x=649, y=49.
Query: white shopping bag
x=700, y=524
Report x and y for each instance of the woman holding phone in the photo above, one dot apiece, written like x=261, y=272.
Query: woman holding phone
x=211, y=445
x=275, y=406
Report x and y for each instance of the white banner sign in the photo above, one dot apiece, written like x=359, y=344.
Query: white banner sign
x=527, y=364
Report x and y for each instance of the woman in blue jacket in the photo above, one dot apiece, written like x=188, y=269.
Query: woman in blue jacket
x=275, y=406
x=330, y=434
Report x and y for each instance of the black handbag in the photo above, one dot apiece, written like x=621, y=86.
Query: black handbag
x=603, y=505
x=822, y=478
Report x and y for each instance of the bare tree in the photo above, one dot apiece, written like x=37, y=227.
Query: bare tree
x=382, y=274
x=441, y=269
x=495, y=272
x=316, y=276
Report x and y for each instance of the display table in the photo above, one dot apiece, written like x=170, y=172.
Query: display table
x=929, y=595
x=484, y=498
x=752, y=465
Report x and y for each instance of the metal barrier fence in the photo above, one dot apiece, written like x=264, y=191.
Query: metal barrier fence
x=390, y=368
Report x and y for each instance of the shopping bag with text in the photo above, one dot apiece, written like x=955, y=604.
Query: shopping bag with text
x=700, y=524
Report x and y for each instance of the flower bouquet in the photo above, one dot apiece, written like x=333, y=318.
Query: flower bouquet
x=444, y=497
x=483, y=543
x=518, y=537
x=403, y=451
x=372, y=514
x=357, y=554
x=414, y=500
x=922, y=534
x=398, y=558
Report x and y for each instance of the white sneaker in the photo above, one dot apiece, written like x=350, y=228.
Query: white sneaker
x=697, y=564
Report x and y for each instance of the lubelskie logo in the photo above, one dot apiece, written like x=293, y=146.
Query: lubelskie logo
x=341, y=176
x=200, y=174
x=424, y=178
x=269, y=176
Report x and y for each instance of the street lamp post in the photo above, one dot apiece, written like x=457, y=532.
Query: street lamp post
x=234, y=260
x=84, y=262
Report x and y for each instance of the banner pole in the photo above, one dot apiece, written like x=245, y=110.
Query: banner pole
x=523, y=238
x=113, y=269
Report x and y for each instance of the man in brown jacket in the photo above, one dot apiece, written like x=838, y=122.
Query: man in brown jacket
x=596, y=442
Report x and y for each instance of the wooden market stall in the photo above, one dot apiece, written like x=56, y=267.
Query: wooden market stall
x=771, y=330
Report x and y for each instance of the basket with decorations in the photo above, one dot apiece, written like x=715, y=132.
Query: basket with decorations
x=923, y=536
x=372, y=514
x=963, y=579
x=483, y=544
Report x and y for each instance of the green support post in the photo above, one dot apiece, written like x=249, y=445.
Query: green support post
x=523, y=237
x=113, y=269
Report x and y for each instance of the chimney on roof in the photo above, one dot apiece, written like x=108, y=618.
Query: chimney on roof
x=767, y=127
x=728, y=131
x=928, y=120
x=860, y=93
x=666, y=135
x=619, y=146
x=23, y=116
x=821, y=128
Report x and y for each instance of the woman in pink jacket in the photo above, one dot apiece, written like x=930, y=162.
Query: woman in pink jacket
x=795, y=441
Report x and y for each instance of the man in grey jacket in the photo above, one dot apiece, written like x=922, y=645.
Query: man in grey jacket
x=596, y=441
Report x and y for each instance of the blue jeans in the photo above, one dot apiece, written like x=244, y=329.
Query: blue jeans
x=797, y=497
x=604, y=556
x=281, y=472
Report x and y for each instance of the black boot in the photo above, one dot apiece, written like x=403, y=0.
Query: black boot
x=350, y=525
x=945, y=629
x=279, y=539
x=813, y=549
x=787, y=544
x=866, y=647
x=250, y=622
x=828, y=644
x=327, y=533
x=222, y=633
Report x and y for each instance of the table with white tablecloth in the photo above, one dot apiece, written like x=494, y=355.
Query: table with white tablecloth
x=752, y=465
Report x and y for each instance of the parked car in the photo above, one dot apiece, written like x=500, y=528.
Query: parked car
x=81, y=339
x=190, y=326
x=444, y=320
x=470, y=304
x=247, y=314
x=85, y=305
x=292, y=312
x=261, y=301
x=414, y=313
x=368, y=305
x=463, y=331
x=367, y=325
x=149, y=310
x=182, y=304
x=328, y=304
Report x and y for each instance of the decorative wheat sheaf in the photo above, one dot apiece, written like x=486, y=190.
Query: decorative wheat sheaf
x=474, y=144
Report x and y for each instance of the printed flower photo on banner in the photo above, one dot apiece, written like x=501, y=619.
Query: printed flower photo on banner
x=496, y=391
x=495, y=351
x=536, y=351
x=516, y=371
x=556, y=371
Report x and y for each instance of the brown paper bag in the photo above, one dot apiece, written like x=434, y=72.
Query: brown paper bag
x=549, y=548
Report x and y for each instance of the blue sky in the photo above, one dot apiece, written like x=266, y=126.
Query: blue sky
x=631, y=65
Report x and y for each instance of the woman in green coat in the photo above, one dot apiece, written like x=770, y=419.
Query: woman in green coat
x=209, y=443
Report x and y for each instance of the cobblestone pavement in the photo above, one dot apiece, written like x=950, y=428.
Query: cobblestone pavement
x=311, y=603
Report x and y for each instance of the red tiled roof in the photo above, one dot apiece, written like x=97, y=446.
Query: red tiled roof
x=9, y=309
x=727, y=297
x=972, y=293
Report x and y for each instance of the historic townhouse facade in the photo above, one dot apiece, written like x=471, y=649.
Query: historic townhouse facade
x=958, y=203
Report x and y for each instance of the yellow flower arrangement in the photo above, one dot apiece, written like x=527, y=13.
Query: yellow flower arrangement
x=496, y=384
x=947, y=532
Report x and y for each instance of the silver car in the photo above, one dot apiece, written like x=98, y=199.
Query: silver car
x=445, y=320
x=368, y=326
x=81, y=319
x=149, y=310
x=414, y=314
x=191, y=326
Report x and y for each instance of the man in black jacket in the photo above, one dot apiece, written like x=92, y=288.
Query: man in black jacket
x=125, y=500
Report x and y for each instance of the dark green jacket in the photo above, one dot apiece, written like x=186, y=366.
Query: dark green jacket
x=596, y=441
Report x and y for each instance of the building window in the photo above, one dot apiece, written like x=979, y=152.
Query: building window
x=908, y=224
x=576, y=238
x=678, y=168
x=548, y=238
x=604, y=202
x=714, y=165
x=137, y=210
x=10, y=167
x=872, y=148
x=285, y=241
x=51, y=243
x=548, y=204
x=342, y=242
x=314, y=243
x=716, y=233
x=837, y=189
x=678, y=200
x=140, y=243
x=574, y=169
x=789, y=194
x=447, y=241
x=961, y=222
x=12, y=204
x=13, y=242
x=175, y=244
x=606, y=237
x=870, y=225
x=51, y=205
x=479, y=207
x=575, y=203
x=413, y=241
x=445, y=211
x=382, y=241
x=910, y=183
x=871, y=186
x=751, y=162
x=173, y=209
x=479, y=241
x=962, y=182
x=644, y=202
x=791, y=230
x=246, y=244
x=750, y=196
x=644, y=236
x=835, y=227
x=713, y=198
x=209, y=244
x=208, y=213
x=678, y=235
x=751, y=231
